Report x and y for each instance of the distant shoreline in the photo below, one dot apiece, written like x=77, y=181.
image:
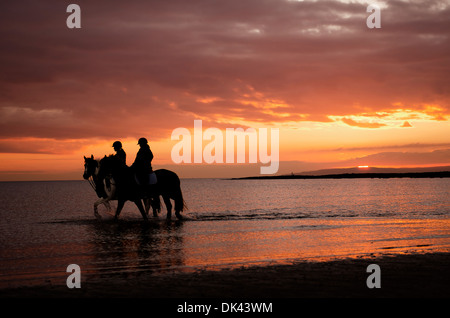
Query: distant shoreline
x=346, y=175
x=441, y=174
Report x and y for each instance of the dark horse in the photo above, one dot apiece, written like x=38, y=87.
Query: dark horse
x=123, y=187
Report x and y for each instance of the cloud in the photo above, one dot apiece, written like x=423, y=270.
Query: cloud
x=146, y=67
x=351, y=122
x=406, y=124
x=40, y=146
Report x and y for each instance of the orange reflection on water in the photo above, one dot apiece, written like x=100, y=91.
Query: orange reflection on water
x=285, y=241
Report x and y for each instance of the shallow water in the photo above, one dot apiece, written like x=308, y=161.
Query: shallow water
x=45, y=226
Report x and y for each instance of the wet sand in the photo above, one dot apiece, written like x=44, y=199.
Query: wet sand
x=402, y=276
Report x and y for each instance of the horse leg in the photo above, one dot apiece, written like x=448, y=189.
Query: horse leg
x=108, y=206
x=120, y=204
x=179, y=203
x=96, y=204
x=150, y=203
x=141, y=209
x=109, y=198
x=168, y=206
x=177, y=212
x=156, y=204
x=147, y=204
x=105, y=202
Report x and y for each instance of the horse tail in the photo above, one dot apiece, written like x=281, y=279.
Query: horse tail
x=180, y=204
x=169, y=183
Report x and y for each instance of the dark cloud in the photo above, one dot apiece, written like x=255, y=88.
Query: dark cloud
x=397, y=147
x=137, y=67
x=399, y=159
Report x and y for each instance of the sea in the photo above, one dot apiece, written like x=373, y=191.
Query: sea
x=45, y=226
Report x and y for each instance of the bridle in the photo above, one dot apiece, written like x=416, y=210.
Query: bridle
x=91, y=176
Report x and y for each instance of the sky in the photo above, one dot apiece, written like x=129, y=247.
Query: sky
x=341, y=94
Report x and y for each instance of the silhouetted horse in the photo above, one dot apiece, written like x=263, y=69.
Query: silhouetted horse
x=124, y=187
x=105, y=194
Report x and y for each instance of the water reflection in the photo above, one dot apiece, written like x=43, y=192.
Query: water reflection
x=229, y=223
x=129, y=248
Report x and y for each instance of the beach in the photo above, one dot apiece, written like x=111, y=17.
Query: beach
x=402, y=276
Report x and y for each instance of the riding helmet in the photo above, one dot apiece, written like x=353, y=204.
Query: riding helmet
x=117, y=144
x=142, y=141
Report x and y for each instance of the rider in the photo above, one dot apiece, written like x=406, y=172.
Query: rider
x=121, y=156
x=142, y=165
x=120, y=153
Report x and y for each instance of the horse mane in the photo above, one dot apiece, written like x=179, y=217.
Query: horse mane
x=111, y=163
x=108, y=158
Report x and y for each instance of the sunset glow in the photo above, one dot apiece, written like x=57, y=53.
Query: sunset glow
x=341, y=95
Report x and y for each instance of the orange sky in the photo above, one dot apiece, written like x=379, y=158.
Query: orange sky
x=340, y=94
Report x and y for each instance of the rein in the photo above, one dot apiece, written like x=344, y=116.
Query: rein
x=92, y=183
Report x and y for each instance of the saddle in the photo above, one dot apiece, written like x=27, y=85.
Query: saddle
x=146, y=179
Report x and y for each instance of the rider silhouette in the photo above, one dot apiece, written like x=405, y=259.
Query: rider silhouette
x=120, y=153
x=121, y=156
x=142, y=165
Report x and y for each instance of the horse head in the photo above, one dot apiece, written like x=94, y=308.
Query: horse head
x=90, y=165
